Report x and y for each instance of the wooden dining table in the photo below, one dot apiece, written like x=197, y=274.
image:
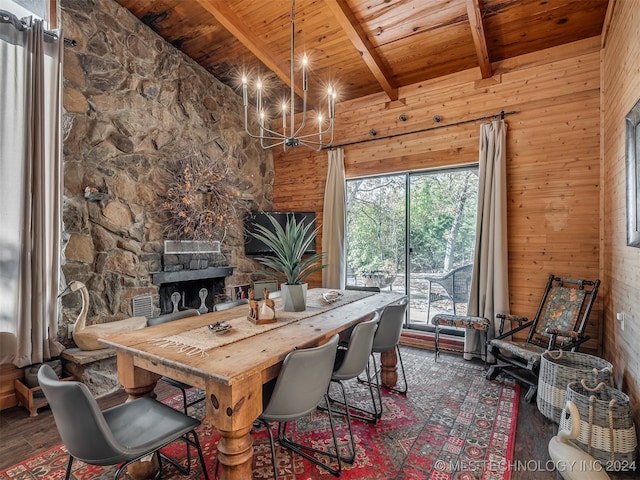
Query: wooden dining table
x=231, y=367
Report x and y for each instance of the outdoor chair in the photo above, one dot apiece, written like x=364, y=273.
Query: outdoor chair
x=302, y=384
x=456, y=284
x=183, y=387
x=119, y=435
x=559, y=324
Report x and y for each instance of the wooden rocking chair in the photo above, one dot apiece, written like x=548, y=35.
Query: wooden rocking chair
x=559, y=324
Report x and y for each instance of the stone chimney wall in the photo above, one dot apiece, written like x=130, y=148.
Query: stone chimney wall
x=133, y=104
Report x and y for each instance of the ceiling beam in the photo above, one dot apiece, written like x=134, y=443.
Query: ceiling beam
x=479, y=39
x=229, y=20
x=348, y=22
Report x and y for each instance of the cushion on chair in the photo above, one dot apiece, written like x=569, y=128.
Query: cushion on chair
x=145, y=422
x=461, y=321
x=530, y=353
x=562, y=309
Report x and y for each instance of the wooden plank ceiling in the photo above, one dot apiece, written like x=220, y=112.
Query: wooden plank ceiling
x=363, y=47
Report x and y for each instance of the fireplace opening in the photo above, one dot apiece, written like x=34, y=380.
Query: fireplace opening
x=200, y=294
x=185, y=289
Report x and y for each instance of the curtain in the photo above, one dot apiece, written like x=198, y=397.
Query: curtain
x=334, y=222
x=30, y=193
x=490, y=283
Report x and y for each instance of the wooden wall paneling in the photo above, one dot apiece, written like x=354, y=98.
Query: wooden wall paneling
x=620, y=264
x=299, y=185
x=553, y=168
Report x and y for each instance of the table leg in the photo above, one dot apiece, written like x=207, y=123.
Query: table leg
x=232, y=409
x=235, y=454
x=136, y=381
x=389, y=373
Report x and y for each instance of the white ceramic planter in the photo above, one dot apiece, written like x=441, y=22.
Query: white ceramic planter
x=294, y=297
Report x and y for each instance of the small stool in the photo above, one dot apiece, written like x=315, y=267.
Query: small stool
x=461, y=321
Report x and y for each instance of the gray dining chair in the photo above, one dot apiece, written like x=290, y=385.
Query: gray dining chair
x=387, y=337
x=183, y=387
x=218, y=307
x=121, y=434
x=351, y=362
x=302, y=384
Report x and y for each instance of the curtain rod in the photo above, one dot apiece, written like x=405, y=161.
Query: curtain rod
x=8, y=17
x=500, y=115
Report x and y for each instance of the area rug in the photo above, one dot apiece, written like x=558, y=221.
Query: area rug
x=452, y=424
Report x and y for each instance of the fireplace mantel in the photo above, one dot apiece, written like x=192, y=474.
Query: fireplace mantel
x=187, y=275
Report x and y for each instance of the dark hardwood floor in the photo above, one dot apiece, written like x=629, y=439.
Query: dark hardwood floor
x=22, y=436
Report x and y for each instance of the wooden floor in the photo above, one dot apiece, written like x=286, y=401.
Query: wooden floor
x=22, y=437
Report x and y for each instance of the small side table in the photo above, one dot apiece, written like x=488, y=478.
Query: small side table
x=30, y=398
x=480, y=324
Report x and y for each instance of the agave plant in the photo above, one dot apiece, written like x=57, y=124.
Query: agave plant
x=288, y=244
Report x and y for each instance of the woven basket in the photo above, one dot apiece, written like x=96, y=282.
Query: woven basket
x=558, y=369
x=607, y=431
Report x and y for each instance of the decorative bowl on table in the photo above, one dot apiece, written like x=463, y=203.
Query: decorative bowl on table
x=219, y=327
x=331, y=296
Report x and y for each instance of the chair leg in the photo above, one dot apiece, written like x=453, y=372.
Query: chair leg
x=184, y=402
x=303, y=449
x=274, y=461
x=185, y=408
x=404, y=390
x=531, y=393
x=366, y=415
x=190, y=443
x=69, y=468
x=492, y=373
x=347, y=412
x=519, y=373
x=377, y=371
x=196, y=443
x=352, y=456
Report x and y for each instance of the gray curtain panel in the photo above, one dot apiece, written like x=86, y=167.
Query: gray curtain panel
x=490, y=280
x=30, y=193
x=334, y=222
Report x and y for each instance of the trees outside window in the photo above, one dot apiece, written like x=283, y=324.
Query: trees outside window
x=403, y=229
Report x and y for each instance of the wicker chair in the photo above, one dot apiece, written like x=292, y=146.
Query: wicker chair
x=456, y=284
x=559, y=324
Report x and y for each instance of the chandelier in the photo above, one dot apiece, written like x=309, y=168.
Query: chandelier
x=291, y=135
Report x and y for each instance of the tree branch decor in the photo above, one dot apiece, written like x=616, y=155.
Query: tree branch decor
x=201, y=202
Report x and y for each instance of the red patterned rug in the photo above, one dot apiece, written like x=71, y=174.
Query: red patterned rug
x=453, y=424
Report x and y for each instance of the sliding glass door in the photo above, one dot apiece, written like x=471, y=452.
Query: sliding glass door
x=376, y=232
x=442, y=223
x=414, y=232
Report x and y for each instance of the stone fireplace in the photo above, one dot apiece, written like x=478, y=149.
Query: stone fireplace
x=134, y=107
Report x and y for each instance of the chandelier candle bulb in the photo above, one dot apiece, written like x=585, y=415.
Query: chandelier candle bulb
x=284, y=118
x=332, y=105
x=259, y=98
x=305, y=60
x=245, y=96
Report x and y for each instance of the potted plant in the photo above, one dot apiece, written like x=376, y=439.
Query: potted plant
x=288, y=244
